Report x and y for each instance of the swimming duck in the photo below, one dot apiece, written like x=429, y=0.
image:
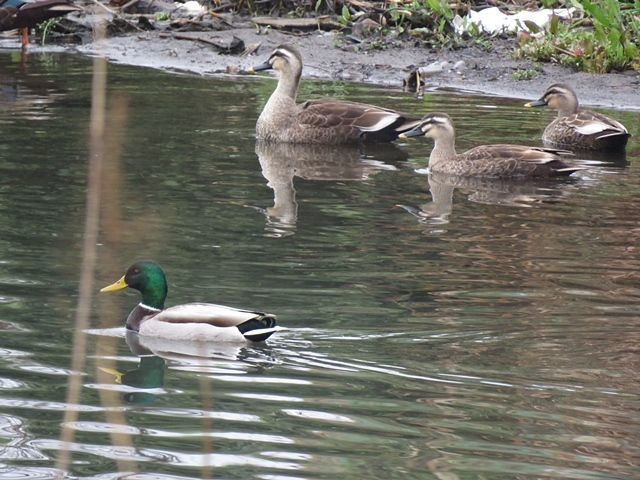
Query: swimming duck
x=191, y=321
x=325, y=120
x=497, y=161
x=27, y=14
x=576, y=128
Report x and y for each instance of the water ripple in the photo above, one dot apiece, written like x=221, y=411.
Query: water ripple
x=215, y=460
x=29, y=473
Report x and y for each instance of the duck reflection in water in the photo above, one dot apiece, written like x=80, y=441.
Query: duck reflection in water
x=156, y=354
x=281, y=162
x=148, y=375
x=491, y=191
x=177, y=350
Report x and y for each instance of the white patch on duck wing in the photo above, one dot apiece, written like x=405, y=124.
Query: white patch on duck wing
x=262, y=331
x=592, y=128
x=382, y=120
x=613, y=134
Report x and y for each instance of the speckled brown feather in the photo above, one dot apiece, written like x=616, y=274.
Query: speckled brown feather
x=506, y=161
x=564, y=132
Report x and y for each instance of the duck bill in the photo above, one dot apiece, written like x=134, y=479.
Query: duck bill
x=537, y=103
x=119, y=285
x=414, y=132
x=260, y=68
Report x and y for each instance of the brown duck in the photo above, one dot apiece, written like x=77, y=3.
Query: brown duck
x=497, y=161
x=580, y=129
x=327, y=120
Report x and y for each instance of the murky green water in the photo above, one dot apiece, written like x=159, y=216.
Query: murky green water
x=488, y=333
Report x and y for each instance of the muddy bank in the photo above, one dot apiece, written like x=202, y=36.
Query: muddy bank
x=331, y=55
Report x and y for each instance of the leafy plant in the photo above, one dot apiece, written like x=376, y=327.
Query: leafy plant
x=377, y=45
x=46, y=27
x=442, y=8
x=398, y=16
x=609, y=45
x=346, y=17
x=522, y=74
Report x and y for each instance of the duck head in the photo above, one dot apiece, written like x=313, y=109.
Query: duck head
x=286, y=59
x=148, y=278
x=432, y=125
x=558, y=96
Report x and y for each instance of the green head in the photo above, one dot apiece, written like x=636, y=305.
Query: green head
x=148, y=278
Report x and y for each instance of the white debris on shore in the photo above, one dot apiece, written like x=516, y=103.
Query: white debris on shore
x=492, y=20
x=190, y=8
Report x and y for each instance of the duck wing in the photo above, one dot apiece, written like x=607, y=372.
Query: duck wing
x=358, y=119
x=212, y=314
x=514, y=161
x=593, y=123
x=586, y=129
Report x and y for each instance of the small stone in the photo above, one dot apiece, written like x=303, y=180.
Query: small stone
x=459, y=65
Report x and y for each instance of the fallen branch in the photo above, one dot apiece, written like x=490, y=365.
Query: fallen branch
x=234, y=46
x=322, y=23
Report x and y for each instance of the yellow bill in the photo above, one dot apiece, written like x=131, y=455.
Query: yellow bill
x=119, y=285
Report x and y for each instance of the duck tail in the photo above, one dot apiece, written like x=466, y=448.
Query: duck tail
x=260, y=334
x=615, y=133
x=260, y=328
x=568, y=170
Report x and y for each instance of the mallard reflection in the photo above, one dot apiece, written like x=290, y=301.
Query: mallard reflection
x=180, y=349
x=281, y=162
x=157, y=354
x=148, y=375
x=492, y=191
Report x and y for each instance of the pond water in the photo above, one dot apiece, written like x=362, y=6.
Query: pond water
x=484, y=330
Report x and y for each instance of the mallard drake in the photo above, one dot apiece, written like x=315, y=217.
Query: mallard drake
x=325, y=120
x=496, y=161
x=27, y=14
x=577, y=128
x=191, y=321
